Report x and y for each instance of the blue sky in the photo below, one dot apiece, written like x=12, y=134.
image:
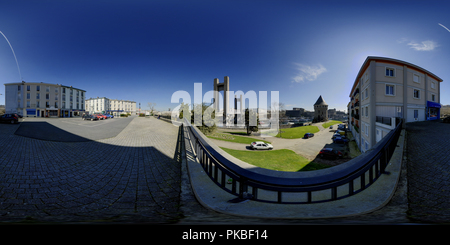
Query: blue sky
x=146, y=50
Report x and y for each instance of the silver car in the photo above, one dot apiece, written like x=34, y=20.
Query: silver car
x=259, y=145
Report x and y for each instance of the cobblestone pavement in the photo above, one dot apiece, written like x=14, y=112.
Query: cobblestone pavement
x=429, y=171
x=133, y=177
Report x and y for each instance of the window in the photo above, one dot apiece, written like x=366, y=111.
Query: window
x=47, y=104
x=47, y=96
x=367, y=111
x=416, y=114
x=433, y=97
x=38, y=96
x=416, y=94
x=390, y=72
x=18, y=88
x=28, y=104
x=416, y=78
x=390, y=89
x=28, y=95
x=38, y=88
x=367, y=130
x=47, y=89
x=28, y=87
x=367, y=145
x=38, y=104
x=56, y=104
x=433, y=85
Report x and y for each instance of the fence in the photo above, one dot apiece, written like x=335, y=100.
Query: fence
x=316, y=186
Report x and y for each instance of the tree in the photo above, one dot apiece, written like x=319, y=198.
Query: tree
x=250, y=117
x=207, y=120
x=151, y=107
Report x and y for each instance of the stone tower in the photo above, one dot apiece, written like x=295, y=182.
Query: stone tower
x=320, y=110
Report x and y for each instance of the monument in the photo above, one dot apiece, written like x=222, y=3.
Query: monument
x=225, y=87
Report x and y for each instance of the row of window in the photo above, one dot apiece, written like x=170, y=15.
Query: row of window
x=390, y=72
x=47, y=105
x=390, y=90
x=47, y=89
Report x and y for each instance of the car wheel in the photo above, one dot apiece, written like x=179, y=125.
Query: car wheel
x=321, y=155
x=12, y=122
x=92, y=119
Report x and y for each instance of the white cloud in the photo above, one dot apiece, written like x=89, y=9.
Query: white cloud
x=308, y=73
x=424, y=46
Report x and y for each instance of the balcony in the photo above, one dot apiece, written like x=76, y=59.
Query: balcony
x=384, y=120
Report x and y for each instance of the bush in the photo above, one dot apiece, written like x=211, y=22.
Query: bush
x=142, y=114
x=123, y=115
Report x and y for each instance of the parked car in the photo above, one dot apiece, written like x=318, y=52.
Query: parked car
x=338, y=135
x=340, y=140
x=341, y=132
x=446, y=120
x=259, y=145
x=331, y=127
x=104, y=117
x=98, y=116
x=89, y=117
x=109, y=116
x=308, y=135
x=9, y=118
x=330, y=153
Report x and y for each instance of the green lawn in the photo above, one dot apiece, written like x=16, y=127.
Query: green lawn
x=233, y=138
x=280, y=160
x=328, y=124
x=297, y=132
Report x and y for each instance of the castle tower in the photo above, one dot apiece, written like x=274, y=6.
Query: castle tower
x=320, y=110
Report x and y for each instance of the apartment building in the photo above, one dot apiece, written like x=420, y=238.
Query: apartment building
x=110, y=106
x=43, y=100
x=386, y=90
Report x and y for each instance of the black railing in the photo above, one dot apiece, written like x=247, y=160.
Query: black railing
x=316, y=186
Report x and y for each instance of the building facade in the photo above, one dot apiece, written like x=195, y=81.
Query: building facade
x=110, y=106
x=386, y=90
x=43, y=100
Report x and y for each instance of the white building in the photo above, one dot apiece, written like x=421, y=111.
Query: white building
x=43, y=100
x=386, y=89
x=110, y=106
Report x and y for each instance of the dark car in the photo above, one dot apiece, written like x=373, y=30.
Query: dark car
x=89, y=117
x=9, y=118
x=330, y=153
x=308, y=135
x=446, y=120
x=340, y=140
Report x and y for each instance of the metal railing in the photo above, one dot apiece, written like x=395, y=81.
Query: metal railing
x=315, y=186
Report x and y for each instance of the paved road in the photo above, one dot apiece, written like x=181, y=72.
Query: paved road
x=133, y=177
x=428, y=161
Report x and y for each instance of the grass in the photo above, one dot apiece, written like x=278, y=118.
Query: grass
x=328, y=124
x=279, y=160
x=297, y=132
x=234, y=138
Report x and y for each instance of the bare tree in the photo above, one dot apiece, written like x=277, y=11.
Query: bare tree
x=151, y=107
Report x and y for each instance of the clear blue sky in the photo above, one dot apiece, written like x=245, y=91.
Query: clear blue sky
x=146, y=50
